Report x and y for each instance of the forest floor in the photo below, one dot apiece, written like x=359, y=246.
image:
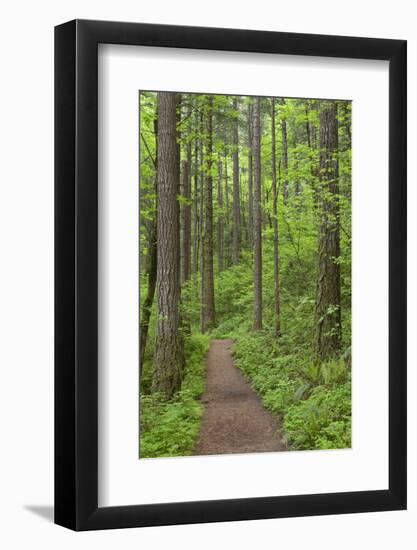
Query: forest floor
x=234, y=420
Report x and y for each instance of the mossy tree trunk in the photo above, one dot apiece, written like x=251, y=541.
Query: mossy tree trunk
x=208, y=313
x=236, y=188
x=327, y=308
x=284, y=154
x=169, y=352
x=257, y=219
x=277, y=306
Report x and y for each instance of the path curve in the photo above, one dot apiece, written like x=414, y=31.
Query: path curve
x=234, y=420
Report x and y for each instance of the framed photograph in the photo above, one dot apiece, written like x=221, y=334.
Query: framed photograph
x=230, y=255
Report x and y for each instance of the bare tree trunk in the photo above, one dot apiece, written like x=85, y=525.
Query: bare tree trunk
x=208, y=317
x=243, y=223
x=236, y=191
x=220, y=220
x=227, y=226
x=207, y=275
x=195, y=211
x=266, y=219
x=250, y=177
x=277, y=307
x=327, y=309
x=169, y=353
x=284, y=154
x=202, y=224
x=185, y=221
x=257, y=220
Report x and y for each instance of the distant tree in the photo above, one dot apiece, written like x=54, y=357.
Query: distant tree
x=257, y=219
x=284, y=153
x=208, y=308
x=196, y=220
x=250, y=176
x=236, y=188
x=220, y=217
x=186, y=220
x=202, y=219
x=277, y=306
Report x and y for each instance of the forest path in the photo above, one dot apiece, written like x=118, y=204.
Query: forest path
x=234, y=420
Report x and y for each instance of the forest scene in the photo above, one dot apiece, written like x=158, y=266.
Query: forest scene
x=245, y=274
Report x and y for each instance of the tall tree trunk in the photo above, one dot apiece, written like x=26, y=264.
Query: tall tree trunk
x=236, y=190
x=195, y=210
x=243, y=222
x=208, y=276
x=250, y=177
x=169, y=353
x=327, y=309
x=257, y=219
x=190, y=193
x=277, y=308
x=227, y=255
x=220, y=219
x=264, y=202
x=202, y=222
x=185, y=221
x=284, y=154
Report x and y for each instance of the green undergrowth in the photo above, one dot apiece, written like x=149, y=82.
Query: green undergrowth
x=312, y=401
x=170, y=428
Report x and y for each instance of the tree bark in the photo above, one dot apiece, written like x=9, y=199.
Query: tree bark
x=207, y=275
x=228, y=231
x=284, y=154
x=277, y=307
x=185, y=221
x=257, y=220
x=202, y=222
x=236, y=191
x=327, y=308
x=250, y=177
x=243, y=222
x=220, y=219
x=169, y=353
x=195, y=210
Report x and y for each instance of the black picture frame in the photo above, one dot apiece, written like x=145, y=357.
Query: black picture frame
x=76, y=272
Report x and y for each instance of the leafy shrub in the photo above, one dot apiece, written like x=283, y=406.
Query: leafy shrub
x=279, y=399
x=170, y=428
x=323, y=421
x=313, y=400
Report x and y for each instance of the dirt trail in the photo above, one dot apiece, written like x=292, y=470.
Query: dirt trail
x=234, y=420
